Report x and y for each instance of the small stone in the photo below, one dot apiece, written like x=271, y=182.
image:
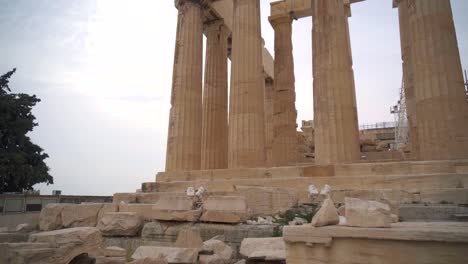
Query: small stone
x=268, y=249
x=326, y=190
x=313, y=191
x=200, y=191
x=190, y=191
x=222, y=253
x=25, y=228
x=326, y=215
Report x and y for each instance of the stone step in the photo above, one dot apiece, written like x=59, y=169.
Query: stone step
x=412, y=184
x=439, y=212
x=461, y=217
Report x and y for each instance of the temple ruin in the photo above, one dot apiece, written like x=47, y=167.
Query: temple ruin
x=239, y=187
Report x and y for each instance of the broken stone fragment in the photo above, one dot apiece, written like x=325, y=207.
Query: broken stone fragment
x=80, y=215
x=363, y=213
x=171, y=254
x=120, y=224
x=160, y=260
x=189, y=238
x=201, y=191
x=326, y=215
x=222, y=253
x=268, y=249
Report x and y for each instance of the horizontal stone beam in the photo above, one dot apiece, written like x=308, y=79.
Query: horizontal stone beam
x=299, y=8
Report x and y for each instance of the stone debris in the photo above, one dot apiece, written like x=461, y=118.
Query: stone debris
x=57, y=247
x=189, y=238
x=114, y=252
x=190, y=191
x=224, y=209
x=326, y=215
x=25, y=228
x=221, y=253
x=51, y=217
x=268, y=249
x=171, y=254
x=298, y=221
x=363, y=213
x=120, y=224
x=80, y=215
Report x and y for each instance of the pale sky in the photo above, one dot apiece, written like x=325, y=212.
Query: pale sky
x=103, y=70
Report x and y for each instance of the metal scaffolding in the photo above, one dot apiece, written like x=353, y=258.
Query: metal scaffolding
x=401, y=120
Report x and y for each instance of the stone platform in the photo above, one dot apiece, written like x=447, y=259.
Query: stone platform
x=425, y=182
x=443, y=242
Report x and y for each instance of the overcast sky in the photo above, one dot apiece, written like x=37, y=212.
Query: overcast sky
x=103, y=69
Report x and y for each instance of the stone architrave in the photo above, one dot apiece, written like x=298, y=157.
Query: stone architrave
x=284, y=150
x=185, y=119
x=246, y=108
x=335, y=111
x=214, y=146
x=439, y=94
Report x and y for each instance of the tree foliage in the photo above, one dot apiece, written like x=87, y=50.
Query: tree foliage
x=21, y=161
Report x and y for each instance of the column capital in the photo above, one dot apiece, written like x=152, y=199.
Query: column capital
x=280, y=19
x=215, y=25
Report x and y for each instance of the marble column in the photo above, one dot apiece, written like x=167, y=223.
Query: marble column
x=184, y=133
x=284, y=104
x=215, y=99
x=440, y=100
x=408, y=76
x=246, y=108
x=269, y=138
x=335, y=112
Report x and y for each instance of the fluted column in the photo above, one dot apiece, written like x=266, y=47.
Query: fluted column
x=408, y=76
x=284, y=109
x=441, y=107
x=335, y=113
x=269, y=137
x=215, y=99
x=246, y=109
x=184, y=133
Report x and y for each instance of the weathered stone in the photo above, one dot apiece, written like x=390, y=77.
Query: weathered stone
x=362, y=213
x=242, y=261
x=267, y=200
x=222, y=253
x=160, y=260
x=25, y=228
x=115, y=252
x=145, y=211
x=51, y=217
x=124, y=198
x=120, y=224
x=264, y=248
x=107, y=208
x=224, y=209
x=326, y=215
x=171, y=254
x=80, y=215
x=58, y=247
x=189, y=238
x=110, y=260
x=176, y=208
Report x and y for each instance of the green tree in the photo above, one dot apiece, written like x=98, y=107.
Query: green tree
x=21, y=161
